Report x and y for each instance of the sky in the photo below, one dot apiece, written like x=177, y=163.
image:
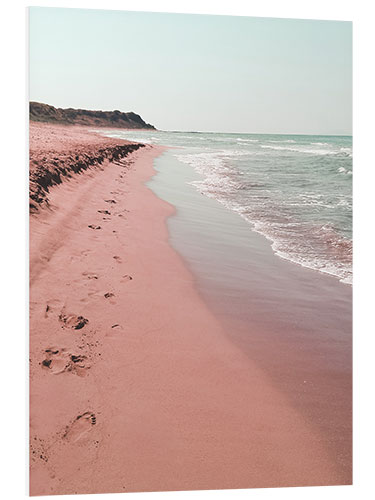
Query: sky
x=196, y=72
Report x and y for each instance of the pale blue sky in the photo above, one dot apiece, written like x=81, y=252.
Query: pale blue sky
x=195, y=72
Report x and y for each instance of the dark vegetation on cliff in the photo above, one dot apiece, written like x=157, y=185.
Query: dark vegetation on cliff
x=112, y=119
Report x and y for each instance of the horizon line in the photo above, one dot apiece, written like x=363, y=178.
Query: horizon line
x=250, y=133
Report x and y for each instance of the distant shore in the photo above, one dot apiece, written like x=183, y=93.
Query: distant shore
x=134, y=384
x=45, y=113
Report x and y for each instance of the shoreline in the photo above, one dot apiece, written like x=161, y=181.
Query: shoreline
x=134, y=384
x=292, y=322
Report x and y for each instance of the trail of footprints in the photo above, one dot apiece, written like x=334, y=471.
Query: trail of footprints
x=59, y=360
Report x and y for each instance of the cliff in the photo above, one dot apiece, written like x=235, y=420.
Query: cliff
x=112, y=119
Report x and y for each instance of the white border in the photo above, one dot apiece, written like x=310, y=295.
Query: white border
x=13, y=209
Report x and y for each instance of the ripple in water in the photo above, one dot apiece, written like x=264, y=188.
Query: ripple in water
x=295, y=190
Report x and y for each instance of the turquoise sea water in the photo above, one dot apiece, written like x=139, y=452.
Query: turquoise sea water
x=295, y=190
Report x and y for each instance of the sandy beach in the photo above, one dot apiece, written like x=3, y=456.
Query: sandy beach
x=135, y=384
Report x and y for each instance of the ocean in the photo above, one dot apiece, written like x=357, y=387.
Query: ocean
x=295, y=190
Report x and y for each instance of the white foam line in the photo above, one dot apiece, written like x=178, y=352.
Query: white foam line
x=211, y=167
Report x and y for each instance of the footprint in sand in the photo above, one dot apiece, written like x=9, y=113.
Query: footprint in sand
x=109, y=295
x=117, y=259
x=94, y=227
x=73, y=321
x=105, y=212
x=55, y=360
x=78, y=364
x=90, y=276
x=80, y=426
x=60, y=361
x=110, y=201
x=126, y=278
x=121, y=213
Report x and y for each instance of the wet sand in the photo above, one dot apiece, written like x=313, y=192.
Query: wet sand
x=135, y=385
x=293, y=322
